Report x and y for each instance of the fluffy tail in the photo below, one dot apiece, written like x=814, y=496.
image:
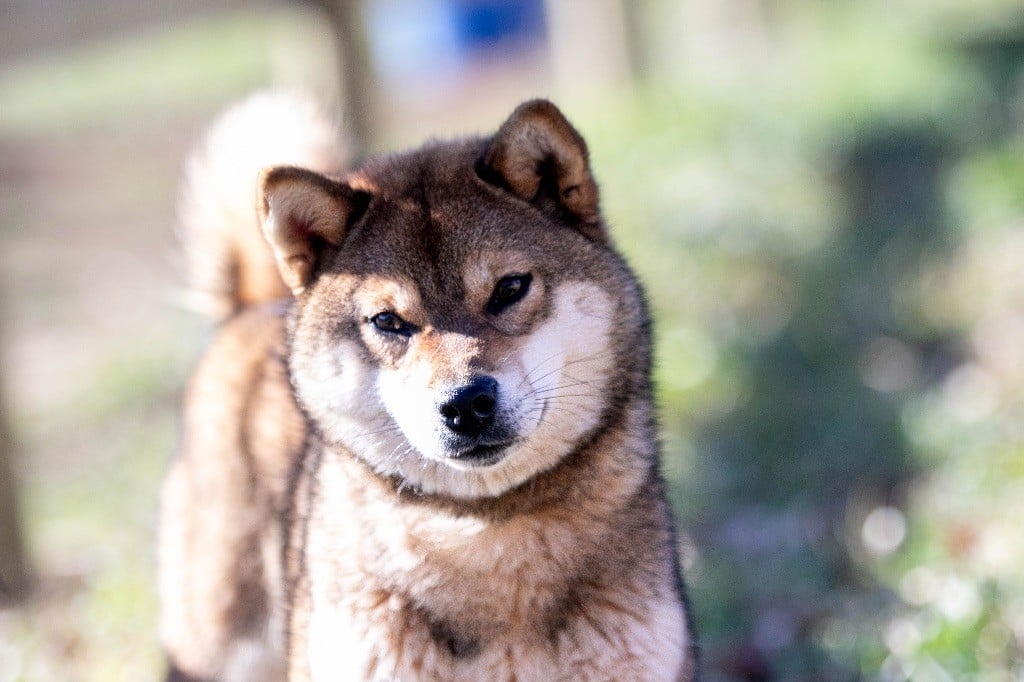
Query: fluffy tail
x=229, y=264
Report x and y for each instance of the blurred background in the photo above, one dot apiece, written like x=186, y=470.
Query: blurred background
x=825, y=199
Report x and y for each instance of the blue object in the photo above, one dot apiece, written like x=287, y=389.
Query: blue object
x=482, y=24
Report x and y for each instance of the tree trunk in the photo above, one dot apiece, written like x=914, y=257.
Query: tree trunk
x=357, y=89
x=14, y=576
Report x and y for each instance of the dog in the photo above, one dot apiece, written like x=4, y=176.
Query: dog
x=422, y=444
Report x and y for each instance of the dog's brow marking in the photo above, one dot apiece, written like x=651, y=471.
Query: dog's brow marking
x=361, y=182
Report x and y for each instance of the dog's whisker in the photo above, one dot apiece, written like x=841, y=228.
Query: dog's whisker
x=562, y=367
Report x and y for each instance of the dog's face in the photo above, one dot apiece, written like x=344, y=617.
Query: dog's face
x=459, y=316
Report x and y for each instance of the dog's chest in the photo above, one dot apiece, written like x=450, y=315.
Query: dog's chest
x=422, y=591
x=412, y=593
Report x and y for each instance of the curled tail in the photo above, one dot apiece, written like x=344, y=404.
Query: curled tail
x=229, y=263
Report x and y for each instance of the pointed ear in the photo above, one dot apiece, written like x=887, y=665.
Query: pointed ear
x=303, y=213
x=539, y=157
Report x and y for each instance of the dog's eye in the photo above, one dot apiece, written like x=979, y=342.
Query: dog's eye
x=391, y=324
x=507, y=291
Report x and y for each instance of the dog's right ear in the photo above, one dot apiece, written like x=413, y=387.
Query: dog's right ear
x=302, y=214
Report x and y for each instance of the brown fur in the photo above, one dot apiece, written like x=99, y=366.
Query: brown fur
x=557, y=560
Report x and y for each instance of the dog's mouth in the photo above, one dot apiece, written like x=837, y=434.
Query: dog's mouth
x=483, y=454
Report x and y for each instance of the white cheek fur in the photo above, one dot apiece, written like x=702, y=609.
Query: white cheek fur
x=566, y=364
x=339, y=390
x=411, y=402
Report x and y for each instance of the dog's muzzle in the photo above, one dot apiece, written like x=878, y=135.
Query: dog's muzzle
x=470, y=415
x=470, y=411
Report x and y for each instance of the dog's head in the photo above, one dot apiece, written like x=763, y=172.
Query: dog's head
x=461, y=320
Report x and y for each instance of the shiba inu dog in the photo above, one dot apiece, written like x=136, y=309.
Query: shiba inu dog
x=437, y=459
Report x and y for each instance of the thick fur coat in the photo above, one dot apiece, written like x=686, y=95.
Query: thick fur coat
x=438, y=459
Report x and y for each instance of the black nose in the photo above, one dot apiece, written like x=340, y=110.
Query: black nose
x=471, y=408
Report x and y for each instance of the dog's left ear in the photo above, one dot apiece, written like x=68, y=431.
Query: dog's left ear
x=538, y=156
